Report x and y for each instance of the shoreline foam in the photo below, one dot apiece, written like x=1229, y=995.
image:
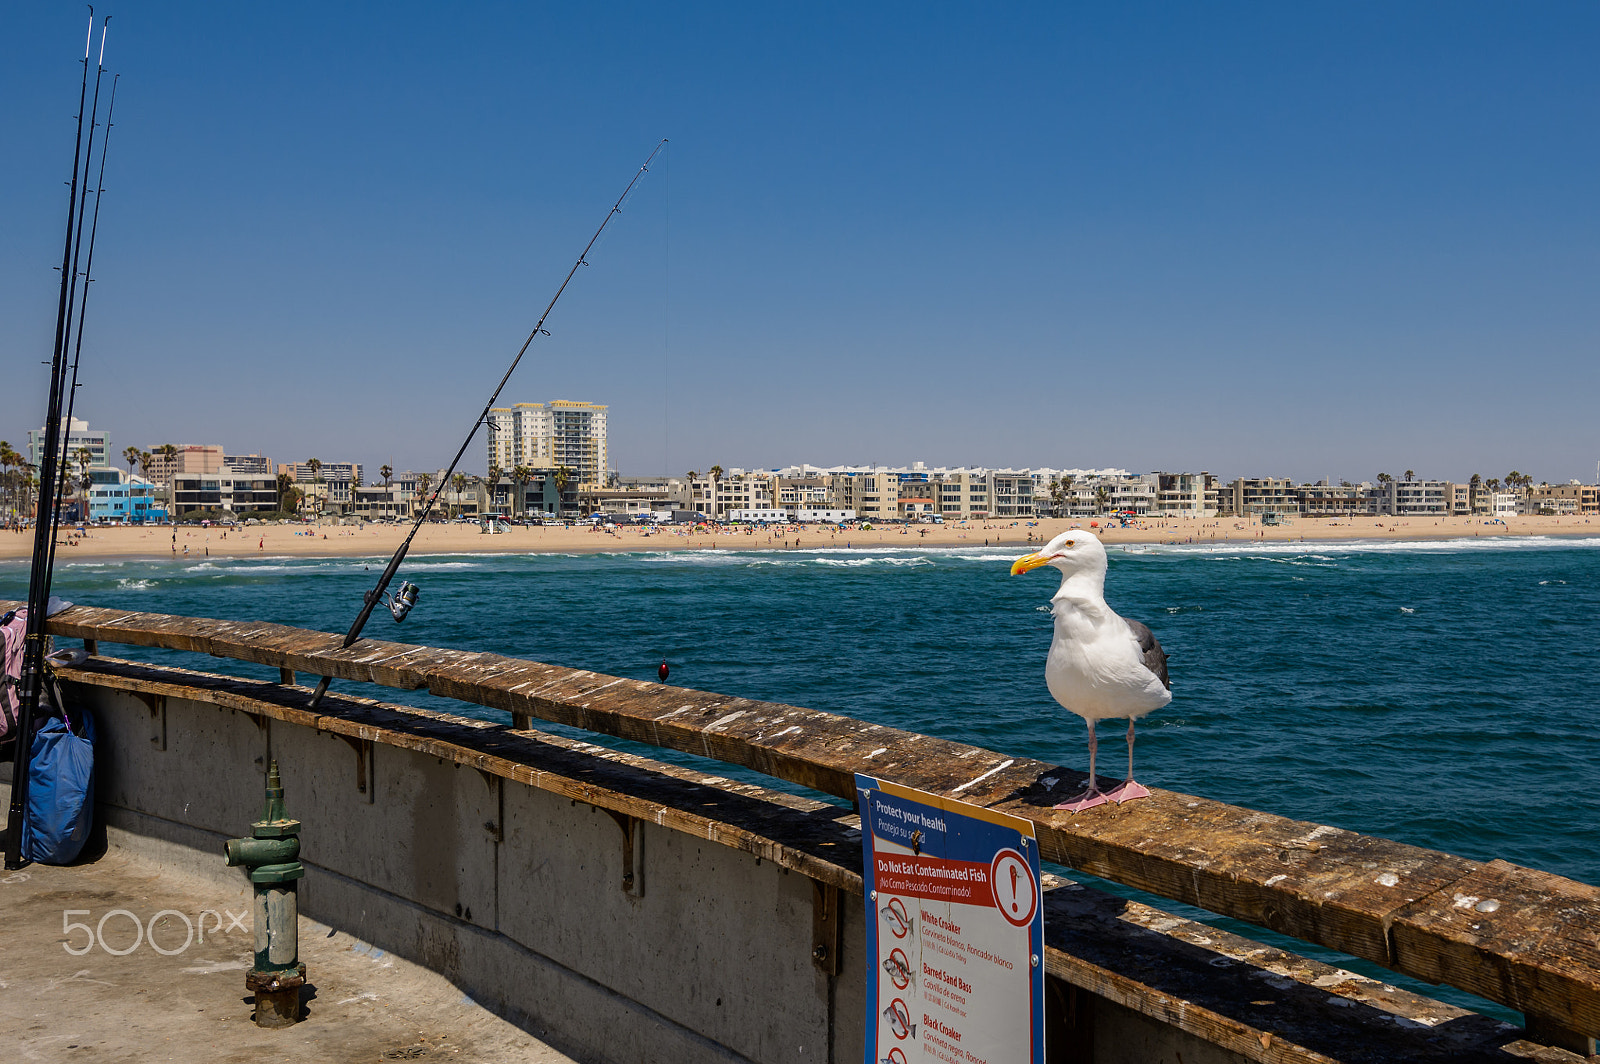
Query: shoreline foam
x=334, y=541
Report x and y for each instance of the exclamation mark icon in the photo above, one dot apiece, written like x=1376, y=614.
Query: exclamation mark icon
x=1014, y=905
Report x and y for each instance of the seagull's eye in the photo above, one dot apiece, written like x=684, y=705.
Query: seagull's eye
x=1072, y=543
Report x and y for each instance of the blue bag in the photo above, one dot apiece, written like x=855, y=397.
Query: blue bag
x=60, y=790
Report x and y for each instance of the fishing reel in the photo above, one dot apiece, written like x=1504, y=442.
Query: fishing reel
x=400, y=602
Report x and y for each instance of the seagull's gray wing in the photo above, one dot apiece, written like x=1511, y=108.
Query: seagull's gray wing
x=1155, y=659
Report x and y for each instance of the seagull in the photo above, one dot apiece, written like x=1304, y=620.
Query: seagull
x=1100, y=664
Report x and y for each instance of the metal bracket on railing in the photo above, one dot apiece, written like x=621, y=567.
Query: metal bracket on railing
x=157, y=705
x=365, y=784
x=827, y=928
x=632, y=853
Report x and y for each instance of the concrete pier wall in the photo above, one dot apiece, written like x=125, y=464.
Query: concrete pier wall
x=511, y=892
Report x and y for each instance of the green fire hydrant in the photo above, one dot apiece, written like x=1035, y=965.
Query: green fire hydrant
x=270, y=856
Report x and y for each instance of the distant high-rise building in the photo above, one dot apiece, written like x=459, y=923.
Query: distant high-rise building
x=78, y=437
x=252, y=464
x=347, y=473
x=558, y=434
x=188, y=458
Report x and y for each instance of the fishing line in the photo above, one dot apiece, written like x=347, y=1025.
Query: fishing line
x=666, y=326
x=402, y=601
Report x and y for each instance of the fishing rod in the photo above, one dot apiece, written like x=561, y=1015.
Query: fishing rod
x=88, y=276
x=88, y=265
x=45, y=514
x=402, y=601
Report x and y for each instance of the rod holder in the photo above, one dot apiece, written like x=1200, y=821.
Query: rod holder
x=270, y=854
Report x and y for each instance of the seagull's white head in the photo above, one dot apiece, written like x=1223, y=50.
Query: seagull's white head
x=1074, y=551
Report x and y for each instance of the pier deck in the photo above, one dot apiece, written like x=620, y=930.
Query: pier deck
x=188, y=1005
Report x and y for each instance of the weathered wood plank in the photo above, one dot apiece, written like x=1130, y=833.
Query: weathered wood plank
x=818, y=840
x=1261, y=1003
x=1525, y=938
x=1333, y=887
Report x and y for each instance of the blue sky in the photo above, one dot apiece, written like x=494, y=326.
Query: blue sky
x=1305, y=240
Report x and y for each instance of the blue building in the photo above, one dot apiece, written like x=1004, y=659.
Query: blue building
x=120, y=498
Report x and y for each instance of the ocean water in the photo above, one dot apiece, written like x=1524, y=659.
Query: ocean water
x=1438, y=693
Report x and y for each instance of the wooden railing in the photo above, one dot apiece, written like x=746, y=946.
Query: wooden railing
x=1524, y=938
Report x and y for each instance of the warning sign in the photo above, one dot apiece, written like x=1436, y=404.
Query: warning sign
x=955, y=929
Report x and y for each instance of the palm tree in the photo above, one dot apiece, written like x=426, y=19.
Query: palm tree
x=563, y=478
x=1385, y=479
x=286, y=493
x=9, y=480
x=385, y=472
x=83, y=458
x=131, y=455
x=146, y=460
x=315, y=465
x=520, y=475
x=495, y=473
x=170, y=453
x=1102, y=496
x=716, y=472
x=1409, y=475
x=424, y=482
x=458, y=484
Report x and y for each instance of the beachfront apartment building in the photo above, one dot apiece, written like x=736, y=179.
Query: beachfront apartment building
x=325, y=490
x=746, y=491
x=328, y=490
x=1337, y=500
x=123, y=498
x=561, y=433
x=634, y=496
x=226, y=492
x=874, y=496
x=796, y=493
x=1012, y=490
x=1571, y=498
x=1413, y=498
x=1186, y=494
x=1259, y=495
x=961, y=494
x=79, y=437
x=392, y=501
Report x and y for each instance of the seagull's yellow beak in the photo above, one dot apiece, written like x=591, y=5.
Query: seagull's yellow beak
x=1030, y=561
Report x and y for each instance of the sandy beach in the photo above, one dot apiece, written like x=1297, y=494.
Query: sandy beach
x=381, y=540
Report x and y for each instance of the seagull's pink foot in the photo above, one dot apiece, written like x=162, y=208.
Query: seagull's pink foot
x=1127, y=791
x=1086, y=800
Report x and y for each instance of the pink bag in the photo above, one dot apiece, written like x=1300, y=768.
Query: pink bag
x=13, y=635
